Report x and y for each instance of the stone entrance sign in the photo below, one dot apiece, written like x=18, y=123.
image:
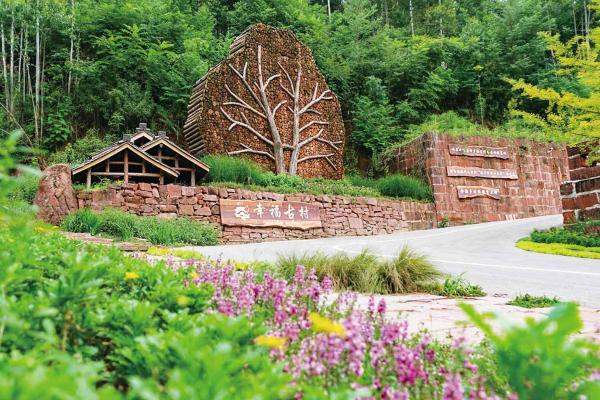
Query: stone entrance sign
x=474, y=172
x=467, y=192
x=478, y=151
x=284, y=214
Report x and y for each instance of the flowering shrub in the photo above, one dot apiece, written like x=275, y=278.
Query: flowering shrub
x=327, y=341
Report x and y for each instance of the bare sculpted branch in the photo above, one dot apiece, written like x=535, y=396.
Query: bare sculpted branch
x=262, y=108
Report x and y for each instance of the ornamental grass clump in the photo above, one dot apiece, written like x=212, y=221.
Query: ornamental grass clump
x=365, y=272
x=404, y=186
x=124, y=226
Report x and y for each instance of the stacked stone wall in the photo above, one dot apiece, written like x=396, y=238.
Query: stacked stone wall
x=340, y=215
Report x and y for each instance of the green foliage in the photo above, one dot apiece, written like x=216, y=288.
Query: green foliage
x=81, y=149
x=83, y=220
x=570, y=250
x=541, y=360
x=454, y=286
x=124, y=226
x=404, y=186
x=375, y=127
x=234, y=169
x=365, y=273
x=176, y=231
x=25, y=188
x=529, y=301
x=456, y=125
x=572, y=234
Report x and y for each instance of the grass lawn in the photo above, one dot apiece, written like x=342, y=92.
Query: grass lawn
x=571, y=250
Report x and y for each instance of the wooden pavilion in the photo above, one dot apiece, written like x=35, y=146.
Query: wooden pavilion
x=142, y=157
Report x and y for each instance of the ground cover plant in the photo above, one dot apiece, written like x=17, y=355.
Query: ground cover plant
x=529, y=301
x=581, y=239
x=125, y=226
x=454, y=286
x=570, y=250
x=240, y=172
x=364, y=273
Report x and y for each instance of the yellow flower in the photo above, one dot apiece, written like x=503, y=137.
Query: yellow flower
x=183, y=300
x=274, y=342
x=131, y=275
x=241, y=265
x=322, y=324
x=193, y=275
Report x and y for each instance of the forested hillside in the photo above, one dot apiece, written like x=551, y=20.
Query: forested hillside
x=71, y=68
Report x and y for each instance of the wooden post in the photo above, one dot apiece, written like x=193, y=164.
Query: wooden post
x=160, y=152
x=161, y=178
x=88, y=179
x=193, y=177
x=126, y=166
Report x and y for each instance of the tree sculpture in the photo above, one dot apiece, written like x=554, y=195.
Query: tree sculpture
x=269, y=102
x=268, y=112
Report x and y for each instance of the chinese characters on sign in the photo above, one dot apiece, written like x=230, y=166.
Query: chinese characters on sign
x=474, y=172
x=478, y=151
x=466, y=192
x=285, y=214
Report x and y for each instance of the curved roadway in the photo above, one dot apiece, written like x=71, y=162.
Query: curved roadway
x=485, y=253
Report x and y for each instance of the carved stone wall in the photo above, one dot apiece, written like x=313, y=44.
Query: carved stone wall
x=268, y=88
x=480, y=179
x=339, y=215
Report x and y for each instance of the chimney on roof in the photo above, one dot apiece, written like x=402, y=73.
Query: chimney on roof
x=126, y=137
x=162, y=134
x=143, y=127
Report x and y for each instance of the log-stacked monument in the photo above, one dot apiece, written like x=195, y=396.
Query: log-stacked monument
x=268, y=101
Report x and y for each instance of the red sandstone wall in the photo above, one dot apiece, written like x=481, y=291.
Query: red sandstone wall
x=341, y=216
x=541, y=168
x=581, y=195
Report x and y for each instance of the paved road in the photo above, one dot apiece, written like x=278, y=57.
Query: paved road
x=485, y=253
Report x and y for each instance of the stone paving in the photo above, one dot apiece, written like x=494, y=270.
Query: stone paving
x=442, y=317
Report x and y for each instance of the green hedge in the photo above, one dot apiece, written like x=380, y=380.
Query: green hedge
x=579, y=234
x=124, y=226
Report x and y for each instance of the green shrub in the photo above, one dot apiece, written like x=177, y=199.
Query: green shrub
x=577, y=234
x=529, y=301
x=81, y=149
x=365, y=273
x=25, y=188
x=82, y=220
x=403, y=186
x=234, y=169
x=540, y=359
x=454, y=286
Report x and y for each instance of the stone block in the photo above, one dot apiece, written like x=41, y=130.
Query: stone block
x=173, y=191
x=185, y=209
x=145, y=187
x=202, y=211
x=187, y=191
x=211, y=198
